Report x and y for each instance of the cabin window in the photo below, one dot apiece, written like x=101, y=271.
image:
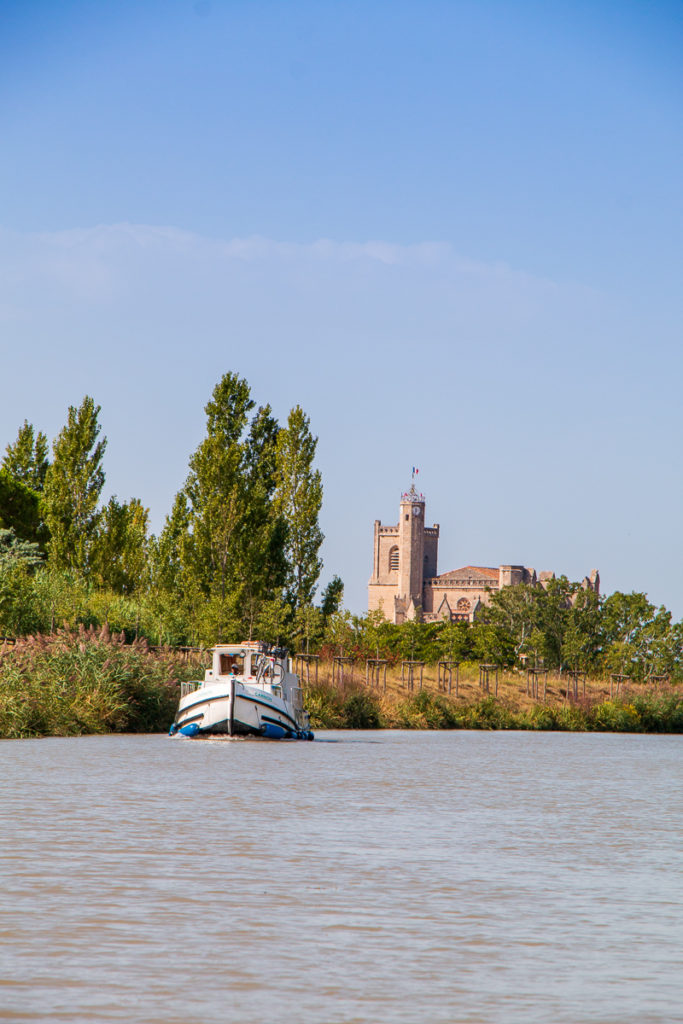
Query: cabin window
x=232, y=664
x=393, y=559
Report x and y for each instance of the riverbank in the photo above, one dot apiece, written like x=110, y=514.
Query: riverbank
x=88, y=682
x=508, y=702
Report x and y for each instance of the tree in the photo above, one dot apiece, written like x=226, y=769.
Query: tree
x=26, y=460
x=260, y=565
x=493, y=644
x=635, y=633
x=298, y=499
x=455, y=641
x=227, y=538
x=583, y=636
x=18, y=606
x=307, y=627
x=166, y=551
x=552, y=618
x=20, y=509
x=73, y=484
x=215, y=489
x=333, y=595
x=15, y=552
x=514, y=610
x=119, y=550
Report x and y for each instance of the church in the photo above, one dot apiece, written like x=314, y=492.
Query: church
x=405, y=583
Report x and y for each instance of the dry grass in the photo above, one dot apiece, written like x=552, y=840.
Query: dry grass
x=513, y=688
x=349, y=702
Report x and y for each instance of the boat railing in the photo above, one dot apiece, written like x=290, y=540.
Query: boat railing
x=187, y=688
x=297, y=698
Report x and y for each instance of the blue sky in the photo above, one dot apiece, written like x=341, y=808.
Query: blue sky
x=450, y=231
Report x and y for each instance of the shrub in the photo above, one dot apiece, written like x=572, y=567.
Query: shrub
x=362, y=711
x=427, y=710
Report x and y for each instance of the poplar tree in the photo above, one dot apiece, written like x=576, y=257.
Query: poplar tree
x=222, y=548
x=26, y=460
x=260, y=562
x=216, y=489
x=298, y=499
x=119, y=550
x=73, y=483
x=167, y=551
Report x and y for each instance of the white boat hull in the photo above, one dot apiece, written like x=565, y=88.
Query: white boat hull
x=231, y=708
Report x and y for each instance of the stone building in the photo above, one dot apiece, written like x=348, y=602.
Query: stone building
x=405, y=583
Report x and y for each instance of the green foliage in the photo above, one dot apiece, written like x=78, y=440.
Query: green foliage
x=361, y=711
x=19, y=613
x=298, y=500
x=493, y=644
x=223, y=549
x=307, y=627
x=455, y=641
x=15, y=552
x=581, y=644
x=332, y=598
x=325, y=705
x=119, y=557
x=514, y=613
x=73, y=483
x=20, y=509
x=84, y=682
x=425, y=710
x=26, y=460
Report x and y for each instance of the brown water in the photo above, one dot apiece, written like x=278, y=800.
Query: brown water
x=366, y=877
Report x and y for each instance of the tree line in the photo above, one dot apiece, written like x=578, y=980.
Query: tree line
x=238, y=556
x=559, y=626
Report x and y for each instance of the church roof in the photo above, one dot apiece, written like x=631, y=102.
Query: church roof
x=470, y=572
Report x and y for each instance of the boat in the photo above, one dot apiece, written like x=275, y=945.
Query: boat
x=250, y=690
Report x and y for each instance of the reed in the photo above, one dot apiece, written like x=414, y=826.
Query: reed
x=76, y=682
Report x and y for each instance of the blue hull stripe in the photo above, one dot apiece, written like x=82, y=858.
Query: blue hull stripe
x=241, y=696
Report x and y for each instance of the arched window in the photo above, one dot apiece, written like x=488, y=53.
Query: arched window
x=393, y=559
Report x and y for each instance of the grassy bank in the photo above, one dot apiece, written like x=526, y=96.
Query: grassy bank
x=354, y=705
x=333, y=709
x=73, y=683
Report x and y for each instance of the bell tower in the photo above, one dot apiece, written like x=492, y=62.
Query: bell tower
x=411, y=534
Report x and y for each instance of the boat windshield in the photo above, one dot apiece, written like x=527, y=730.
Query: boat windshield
x=232, y=664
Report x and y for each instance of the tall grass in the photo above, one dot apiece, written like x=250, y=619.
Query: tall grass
x=75, y=682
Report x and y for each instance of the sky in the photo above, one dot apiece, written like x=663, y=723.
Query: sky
x=450, y=231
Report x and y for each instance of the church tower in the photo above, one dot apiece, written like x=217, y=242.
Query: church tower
x=411, y=526
x=404, y=556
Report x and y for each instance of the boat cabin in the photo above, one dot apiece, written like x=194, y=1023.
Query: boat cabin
x=254, y=665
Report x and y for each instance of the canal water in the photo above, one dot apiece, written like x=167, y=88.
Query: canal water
x=365, y=877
